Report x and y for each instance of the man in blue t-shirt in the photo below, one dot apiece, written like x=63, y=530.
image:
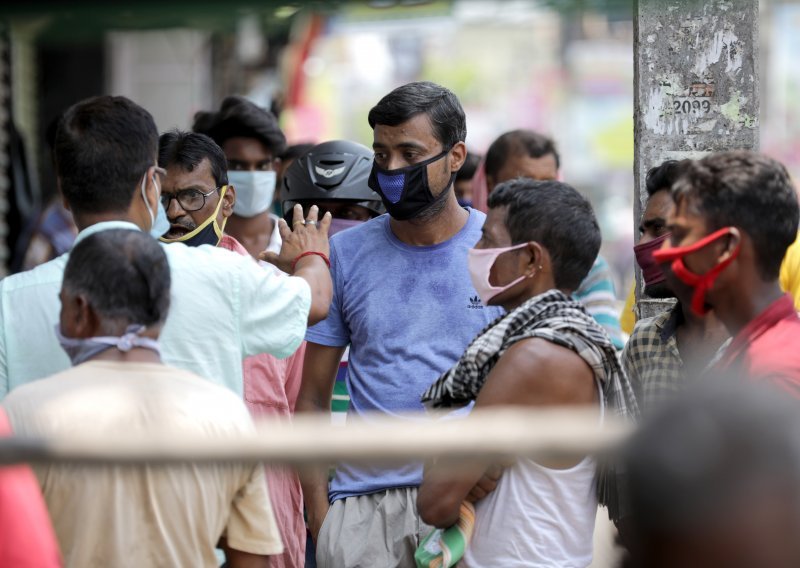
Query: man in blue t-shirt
x=404, y=303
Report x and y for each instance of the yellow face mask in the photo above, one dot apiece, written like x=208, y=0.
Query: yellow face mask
x=209, y=232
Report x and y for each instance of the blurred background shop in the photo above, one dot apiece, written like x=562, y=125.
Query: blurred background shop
x=564, y=68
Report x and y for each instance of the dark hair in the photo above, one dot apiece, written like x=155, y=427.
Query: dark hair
x=440, y=105
x=518, y=142
x=188, y=149
x=746, y=190
x=664, y=176
x=51, y=131
x=296, y=150
x=239, y=117
x=467, y=171
x=124, y=275
x=556, y=216
x=104, y=146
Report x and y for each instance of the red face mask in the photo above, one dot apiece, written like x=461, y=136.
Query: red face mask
x=701, y=283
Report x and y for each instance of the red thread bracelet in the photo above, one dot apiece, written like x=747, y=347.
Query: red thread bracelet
x=322, y=255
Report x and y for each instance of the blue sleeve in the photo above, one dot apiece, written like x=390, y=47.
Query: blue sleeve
x=333, y=330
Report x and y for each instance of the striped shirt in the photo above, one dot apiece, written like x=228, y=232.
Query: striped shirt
x=597, y=295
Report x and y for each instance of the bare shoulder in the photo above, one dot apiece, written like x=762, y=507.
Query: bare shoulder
x=537, y=371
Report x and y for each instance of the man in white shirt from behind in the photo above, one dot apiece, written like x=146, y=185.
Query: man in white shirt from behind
x=224, y=306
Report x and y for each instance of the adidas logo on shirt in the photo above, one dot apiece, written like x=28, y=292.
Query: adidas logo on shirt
x=475, y=303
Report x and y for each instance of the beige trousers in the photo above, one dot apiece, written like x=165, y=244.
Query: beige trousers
x=381, y=530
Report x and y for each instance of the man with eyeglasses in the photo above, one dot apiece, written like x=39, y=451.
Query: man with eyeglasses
x=199, y=200
x=224, y=307
x=195, y=193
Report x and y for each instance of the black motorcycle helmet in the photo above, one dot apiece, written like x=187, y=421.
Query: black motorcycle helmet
x=336, y=170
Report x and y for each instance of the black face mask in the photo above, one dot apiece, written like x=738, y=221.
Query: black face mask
x=405, y=191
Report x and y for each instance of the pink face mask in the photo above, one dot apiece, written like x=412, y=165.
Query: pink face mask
x=339, y=225
x=480, y=262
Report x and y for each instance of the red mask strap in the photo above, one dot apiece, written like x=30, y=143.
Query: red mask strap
x=669, y=254
x=707, y=282
x=701, y=283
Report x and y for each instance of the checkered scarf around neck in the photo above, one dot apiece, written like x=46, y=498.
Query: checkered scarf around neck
x=555, y=317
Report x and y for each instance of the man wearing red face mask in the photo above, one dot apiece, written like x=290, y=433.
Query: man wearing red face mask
x=736, y=214
x=663, y=350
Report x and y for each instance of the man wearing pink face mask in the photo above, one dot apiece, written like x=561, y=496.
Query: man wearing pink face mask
x=663, y=350
x=736, y=214
x=538, y=243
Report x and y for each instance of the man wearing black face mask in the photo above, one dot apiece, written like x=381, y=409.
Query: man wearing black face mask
x=405, y=305
x=195, y=194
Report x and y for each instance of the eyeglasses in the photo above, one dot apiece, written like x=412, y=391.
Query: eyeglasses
x=188, y=199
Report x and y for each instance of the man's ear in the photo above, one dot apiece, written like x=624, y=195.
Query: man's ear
x=228, y=201
x=490, y=183
x=733, y=242
x=85, y=322
x=535, y=259
x=539, y=261
x=458, y=154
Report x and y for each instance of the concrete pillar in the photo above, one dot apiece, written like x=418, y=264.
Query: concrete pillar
x=695, y=88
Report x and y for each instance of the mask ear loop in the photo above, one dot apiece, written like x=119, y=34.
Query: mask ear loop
x=217, y=210
x=704, y=282
x=147, y=203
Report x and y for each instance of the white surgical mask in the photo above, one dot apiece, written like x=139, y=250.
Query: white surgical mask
x=254, y=191
x=81, y=350
x=159, y=224
x=480, y=262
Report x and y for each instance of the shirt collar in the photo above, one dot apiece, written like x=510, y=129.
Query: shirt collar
x=668, y=322
x=227, y=242
x=105, y=226
x=780, y=309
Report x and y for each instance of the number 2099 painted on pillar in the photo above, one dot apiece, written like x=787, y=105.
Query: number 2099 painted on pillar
x=689, y=106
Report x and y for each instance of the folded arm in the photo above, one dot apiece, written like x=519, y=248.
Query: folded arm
x=561, y=378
